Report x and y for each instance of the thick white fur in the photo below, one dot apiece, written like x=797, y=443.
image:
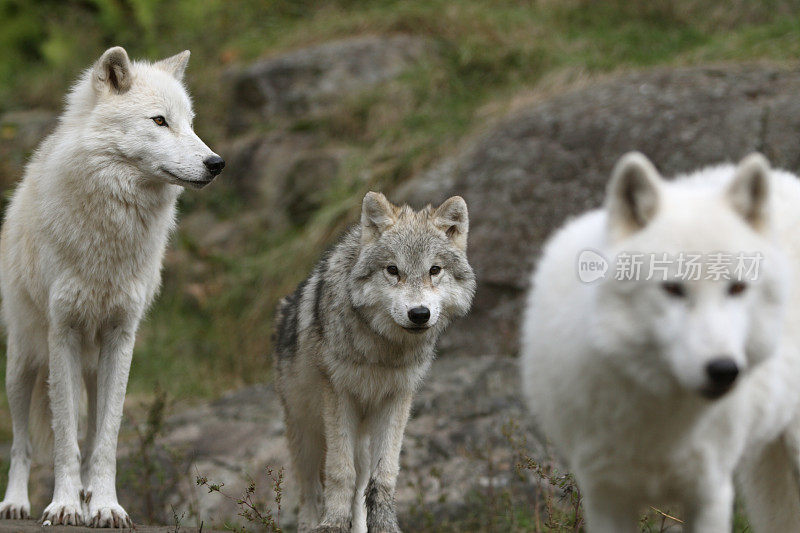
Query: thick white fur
x=80, y=261
x=612, y=369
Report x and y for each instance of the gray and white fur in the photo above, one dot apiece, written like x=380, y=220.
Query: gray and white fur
x=352, y=345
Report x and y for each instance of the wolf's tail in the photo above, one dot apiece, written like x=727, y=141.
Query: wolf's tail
x=280, y=316
x=284, y=337
x=770, y=484
x=40, y=418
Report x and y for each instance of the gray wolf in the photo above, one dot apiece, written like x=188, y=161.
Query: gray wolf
x=80, y=262
x=353, y=343
x=662, y=390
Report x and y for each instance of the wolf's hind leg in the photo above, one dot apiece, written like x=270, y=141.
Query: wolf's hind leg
x=362, y=477
x=90, y=380
x=20, y=380
x=307, y=445
x=769, y=485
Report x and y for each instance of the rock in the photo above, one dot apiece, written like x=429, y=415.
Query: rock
x=309, y=80
x=20, y=133
x=457, y=441
x=208, y=233
x=306, y=183
x=287, y=174
x=457, y=418
x=523, y=178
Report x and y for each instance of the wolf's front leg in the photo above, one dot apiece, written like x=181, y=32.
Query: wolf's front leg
x=712, y=510
x=112, y=379
x=65, y=390
x=341, y=426
x=387, y=426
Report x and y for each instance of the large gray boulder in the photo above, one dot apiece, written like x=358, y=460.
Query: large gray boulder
x=287, y=175
x=458, y=417
x=523, y=178
x=311, y=79
x=20, y=133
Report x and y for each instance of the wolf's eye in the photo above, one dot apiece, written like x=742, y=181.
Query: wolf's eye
x=673, y=288
x=736, y=288
x=160, y=121
x=435, y=269
x=391, y=269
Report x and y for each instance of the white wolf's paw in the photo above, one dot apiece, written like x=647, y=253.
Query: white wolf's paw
x=14, y=511
x=67, y=514
x=109, y=515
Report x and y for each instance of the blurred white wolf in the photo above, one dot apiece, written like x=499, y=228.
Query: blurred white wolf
x=654, y=390
x=80, y=261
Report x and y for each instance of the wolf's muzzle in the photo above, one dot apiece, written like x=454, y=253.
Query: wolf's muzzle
x=419, y=315
x=214, y=164
x=722, y=373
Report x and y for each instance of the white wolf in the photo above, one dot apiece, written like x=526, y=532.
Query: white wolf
x=80, y=261
x=654, y=390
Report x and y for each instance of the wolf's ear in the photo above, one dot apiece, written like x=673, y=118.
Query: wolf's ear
x=175, y=65
x=113, y=70
x=452, y=218
x=748, y=193
x=633, y=194
x=377, y=215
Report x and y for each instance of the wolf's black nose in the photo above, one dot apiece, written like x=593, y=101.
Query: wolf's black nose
x=419, y=315
x=722, y=372
x=214, y=164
